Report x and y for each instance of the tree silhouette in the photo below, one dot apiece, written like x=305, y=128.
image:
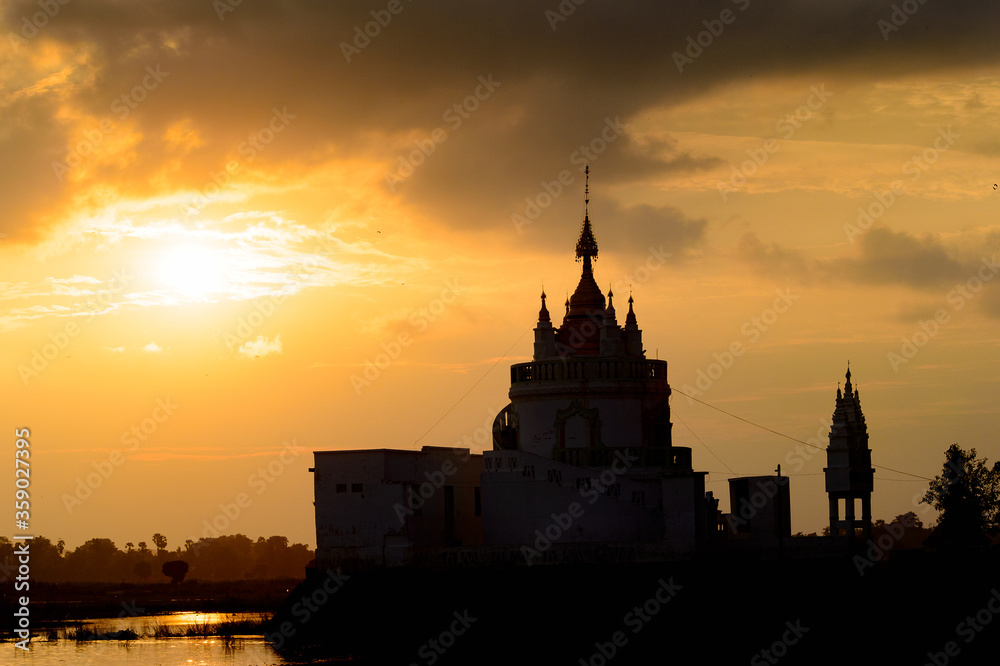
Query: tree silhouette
x=233, y=557
x=96, y=559
x=967, y=495
x=160, y=542
x=175, y=569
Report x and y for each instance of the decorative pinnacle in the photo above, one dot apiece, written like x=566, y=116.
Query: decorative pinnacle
x=586, y=192
x=586, y=247
x=543, y=314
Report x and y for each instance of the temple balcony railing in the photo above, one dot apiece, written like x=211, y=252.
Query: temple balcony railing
x=588, y=369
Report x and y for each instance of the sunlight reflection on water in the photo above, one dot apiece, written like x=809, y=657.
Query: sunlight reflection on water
x=186, y=651
x=151, y=651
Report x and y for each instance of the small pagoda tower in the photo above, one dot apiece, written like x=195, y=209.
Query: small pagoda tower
x=849, y=472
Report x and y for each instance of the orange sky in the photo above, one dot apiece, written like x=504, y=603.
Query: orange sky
x=217, y=222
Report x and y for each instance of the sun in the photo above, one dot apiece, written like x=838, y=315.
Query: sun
x=195, y=271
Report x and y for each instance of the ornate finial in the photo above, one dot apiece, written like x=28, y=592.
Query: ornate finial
x=586, y=247
x=586, y=192
x=543, y=314
x=630, y=317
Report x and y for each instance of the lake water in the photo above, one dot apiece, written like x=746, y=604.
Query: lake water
x=146, y=650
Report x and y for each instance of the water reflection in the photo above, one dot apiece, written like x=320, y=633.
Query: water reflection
x=173, y=638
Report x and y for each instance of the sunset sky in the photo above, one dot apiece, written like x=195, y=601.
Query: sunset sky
x=218, y=216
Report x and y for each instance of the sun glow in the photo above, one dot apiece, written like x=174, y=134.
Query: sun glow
x=193, y=270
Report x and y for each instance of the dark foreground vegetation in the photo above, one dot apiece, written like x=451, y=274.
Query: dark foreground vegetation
x=224, y=558
x=914, y=608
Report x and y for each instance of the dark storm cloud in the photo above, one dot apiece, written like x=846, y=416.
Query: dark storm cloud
x=889, y=257
x=882, y=257
x=607, y=62
x=635, y=229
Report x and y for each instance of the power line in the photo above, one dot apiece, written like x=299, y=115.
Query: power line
x=781, y=434
x=678, y=417
x=465, y=395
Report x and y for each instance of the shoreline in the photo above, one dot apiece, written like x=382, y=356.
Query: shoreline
x=55, y=604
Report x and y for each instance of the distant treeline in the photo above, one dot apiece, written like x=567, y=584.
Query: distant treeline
x=234, y=557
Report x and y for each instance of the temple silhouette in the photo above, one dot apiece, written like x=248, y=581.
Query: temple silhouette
x=582, y=469
x=584, y=535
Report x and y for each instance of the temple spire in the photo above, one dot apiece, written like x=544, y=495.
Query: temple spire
x=543, y=314
x=586, y=247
